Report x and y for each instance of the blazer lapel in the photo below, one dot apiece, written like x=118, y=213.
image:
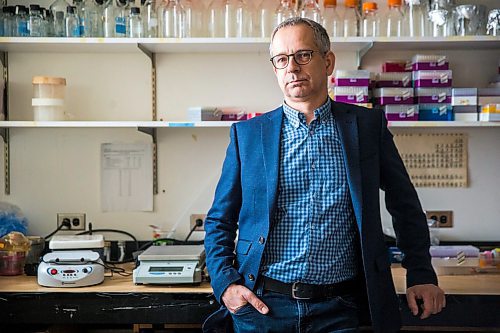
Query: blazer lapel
x=271, y=139
x=347, y=126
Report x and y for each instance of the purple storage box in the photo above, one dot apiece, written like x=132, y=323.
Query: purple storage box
x=401, y=112
x=351, y=94
x=437, y=79
x=394, y=80
x=433, y=95
x=429, y=62
x=384, y=96
x=357, y=78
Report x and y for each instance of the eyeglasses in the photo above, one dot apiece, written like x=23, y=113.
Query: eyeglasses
x=302, y=57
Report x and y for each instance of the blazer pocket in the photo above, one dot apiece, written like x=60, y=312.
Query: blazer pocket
x=382, y=263
x=243, y=247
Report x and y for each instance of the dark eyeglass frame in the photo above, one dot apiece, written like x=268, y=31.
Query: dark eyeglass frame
x=295, y=57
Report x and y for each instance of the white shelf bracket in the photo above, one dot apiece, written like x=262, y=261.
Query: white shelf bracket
x=362, y=52
x=4, y=132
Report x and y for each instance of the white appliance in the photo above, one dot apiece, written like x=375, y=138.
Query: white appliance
x=170, y=264
x=75, y=261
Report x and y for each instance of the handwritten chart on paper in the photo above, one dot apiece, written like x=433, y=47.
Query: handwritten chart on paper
x=434, y=159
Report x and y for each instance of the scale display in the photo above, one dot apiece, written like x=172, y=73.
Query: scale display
x=166, y=269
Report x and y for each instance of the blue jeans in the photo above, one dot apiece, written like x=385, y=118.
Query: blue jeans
x=336, y=314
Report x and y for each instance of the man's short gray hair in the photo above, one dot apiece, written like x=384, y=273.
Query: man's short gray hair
x=320, y=34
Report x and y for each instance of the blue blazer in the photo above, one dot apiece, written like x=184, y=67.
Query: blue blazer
x=246, y=196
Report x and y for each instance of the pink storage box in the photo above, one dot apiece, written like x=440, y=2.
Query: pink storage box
x=433, y=95
x=384, y=96
x=394, y=80
x=397, y=66
x=401, y=112
x=437, y=79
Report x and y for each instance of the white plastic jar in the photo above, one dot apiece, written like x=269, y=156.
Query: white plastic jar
x=48, y=98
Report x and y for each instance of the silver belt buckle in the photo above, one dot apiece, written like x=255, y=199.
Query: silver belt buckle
x=294, y=289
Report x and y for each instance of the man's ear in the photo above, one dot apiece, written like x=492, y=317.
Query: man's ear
x=330, y=62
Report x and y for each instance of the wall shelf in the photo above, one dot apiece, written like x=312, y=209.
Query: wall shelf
x=232, y=45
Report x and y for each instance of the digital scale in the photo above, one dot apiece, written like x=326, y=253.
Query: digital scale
x=170, y=264
x=75, y=261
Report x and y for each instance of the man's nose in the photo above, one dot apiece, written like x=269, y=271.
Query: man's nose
x=292, y=65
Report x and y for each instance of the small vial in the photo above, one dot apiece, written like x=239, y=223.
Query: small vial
x=72, y=22
x=136, y=26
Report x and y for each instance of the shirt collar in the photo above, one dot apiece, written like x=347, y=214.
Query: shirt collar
x=322, y=114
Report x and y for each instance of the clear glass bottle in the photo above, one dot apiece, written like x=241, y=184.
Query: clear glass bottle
x=441, y=18
x=94, y=12
x=331, y=19
x=80, y=12
x=266, y=18
x=351, y=18
x=311, y=10
x=1, y=21
x=416, y=19
x=149, y=18
x=59, y=25
x=371, y=21
x=394, y=19
x=35, y=23
x=172, y=19
x=284, y=11
x=195, y=18
x=22, y=21
x=114, y=19
x=135, y=22
x=49, y=23
x=9, y=21
x=58, y=6
x=229, y=18
x=72, y=22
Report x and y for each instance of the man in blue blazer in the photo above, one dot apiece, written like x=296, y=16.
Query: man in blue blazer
x=300, y=191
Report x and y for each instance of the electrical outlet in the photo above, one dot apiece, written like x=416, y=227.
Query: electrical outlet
x=197, y=217
x=76, y=220
x=444, y=218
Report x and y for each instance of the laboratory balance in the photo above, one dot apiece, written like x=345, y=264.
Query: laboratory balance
x=170, y=264
x=75, y=261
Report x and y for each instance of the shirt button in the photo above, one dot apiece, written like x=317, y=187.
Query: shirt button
x=312, y=166
x=251, y=277
x=261, y=240
x=311, y=132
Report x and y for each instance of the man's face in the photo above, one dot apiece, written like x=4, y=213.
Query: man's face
x=302, y=83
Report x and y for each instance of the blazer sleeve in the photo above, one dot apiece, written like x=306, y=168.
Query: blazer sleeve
x=221, y=222
x=408, y=218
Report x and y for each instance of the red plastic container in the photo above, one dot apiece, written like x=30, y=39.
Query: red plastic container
x=12, y=263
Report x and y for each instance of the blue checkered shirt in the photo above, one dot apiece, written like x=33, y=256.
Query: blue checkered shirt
x=312, y=236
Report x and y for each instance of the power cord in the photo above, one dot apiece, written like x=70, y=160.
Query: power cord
x=198, y=223
x=63, y=224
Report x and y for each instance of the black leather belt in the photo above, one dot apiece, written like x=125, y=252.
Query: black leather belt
x=298, y=290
